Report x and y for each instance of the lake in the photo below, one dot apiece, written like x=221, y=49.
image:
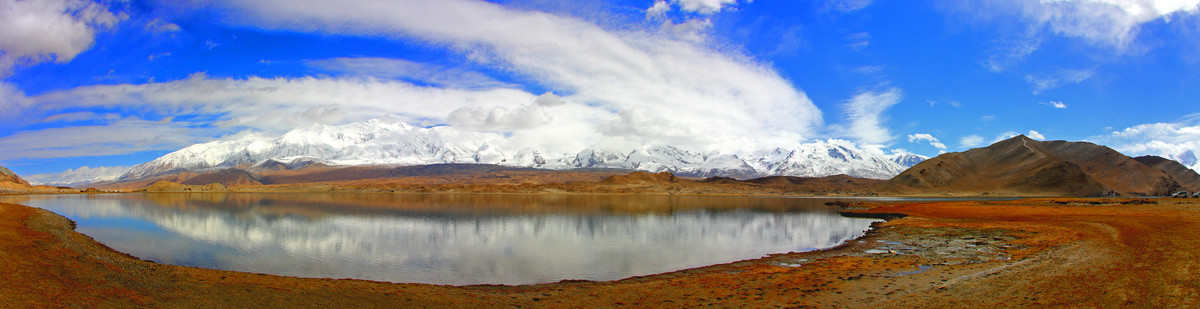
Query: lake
x=451, y=239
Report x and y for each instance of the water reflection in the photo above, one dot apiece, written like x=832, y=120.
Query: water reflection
x=450, y=239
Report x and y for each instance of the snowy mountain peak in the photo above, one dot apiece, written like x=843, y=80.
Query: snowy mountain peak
x=388, y=141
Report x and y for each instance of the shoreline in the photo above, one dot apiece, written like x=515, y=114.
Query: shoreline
x=568, y=193
x=935, y=255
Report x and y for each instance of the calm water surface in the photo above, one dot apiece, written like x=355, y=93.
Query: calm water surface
x=451, y=239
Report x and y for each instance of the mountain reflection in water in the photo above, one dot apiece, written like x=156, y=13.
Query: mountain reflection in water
x=451, y=239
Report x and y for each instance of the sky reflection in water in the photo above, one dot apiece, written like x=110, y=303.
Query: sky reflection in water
x=446, y=239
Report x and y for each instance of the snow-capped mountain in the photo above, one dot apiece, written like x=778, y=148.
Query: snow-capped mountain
x=389, y=142
x=79, y=176
x=1187, y=158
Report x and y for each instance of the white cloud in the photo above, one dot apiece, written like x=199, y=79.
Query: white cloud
x=706, y=7
x=1045, y=82
x=691, y=30
x=858, y=41
x=1004, y=136
x=1055, y=104
x=926, y=138
x=1111, y=23
x=1011, y=51
x=549, y=99
x=727, y=99
x=123, y=136
x=160, y=26
x=1179, y=141
x=970, y=141
x=37, y=31
x=848, y=5
x=947, y=102
x=273, y=104
x=324, y=114
x=259, y=104
x=866, y=114
x=78, y=176
x=499, y=118
x=1035, y=135
x=610, y=89
x=72, y=117
x=387, y=68
x=659, y=9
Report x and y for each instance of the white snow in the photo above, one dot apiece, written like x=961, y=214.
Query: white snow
x=389, y=142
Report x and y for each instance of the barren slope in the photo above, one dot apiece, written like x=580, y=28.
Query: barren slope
x=1023, y=166
x=1013, y=166
x=8, y=176
x=1116, y=171
x=1186, y=177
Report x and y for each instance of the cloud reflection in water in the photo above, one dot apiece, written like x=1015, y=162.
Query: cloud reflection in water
x=251, y=234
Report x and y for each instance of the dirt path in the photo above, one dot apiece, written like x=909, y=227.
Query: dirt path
x=1107, y=253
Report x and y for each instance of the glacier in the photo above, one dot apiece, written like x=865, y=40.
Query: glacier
x=386, y=141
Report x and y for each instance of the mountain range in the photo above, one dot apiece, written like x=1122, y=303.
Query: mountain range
x=393, y=143
x=357, y=160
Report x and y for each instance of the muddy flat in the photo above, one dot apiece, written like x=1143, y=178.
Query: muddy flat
x=1033, y=252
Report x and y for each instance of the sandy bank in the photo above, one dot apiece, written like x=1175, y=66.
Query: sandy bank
x=1105, y=252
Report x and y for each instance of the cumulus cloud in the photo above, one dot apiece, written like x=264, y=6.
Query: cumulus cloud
x=865, y=111
x=1035, y=135
x=549, y=99
x=926, y=138
x=37, y=31
x=659, y=9
x=1179, y=141
x=1045, y=82
x=970, y=141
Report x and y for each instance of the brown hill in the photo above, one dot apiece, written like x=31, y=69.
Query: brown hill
x=639, y=178
x=8, y=176
x=227, y=177
x=1023, y=166
x=836, y=184
x=168, y=186
x=1186, y=177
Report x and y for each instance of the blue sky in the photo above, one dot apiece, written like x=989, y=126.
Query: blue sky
x=118, y=83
